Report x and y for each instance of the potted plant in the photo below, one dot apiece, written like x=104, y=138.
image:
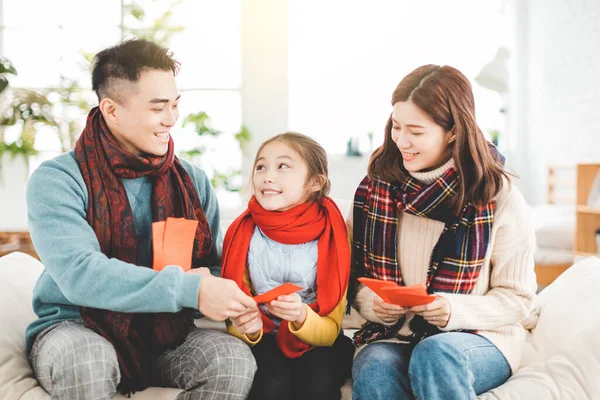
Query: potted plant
x=228, y=179
x=22, y=112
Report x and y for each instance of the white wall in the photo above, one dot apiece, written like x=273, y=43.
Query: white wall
x=264, y=73
x=557, y=99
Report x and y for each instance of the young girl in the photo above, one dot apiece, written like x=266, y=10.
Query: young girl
x=437, y=208
x=292, y=232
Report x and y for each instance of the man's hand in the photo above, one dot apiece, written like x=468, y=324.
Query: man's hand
x=200, y=271
x=388, y=313
x=289, y=308
x=219, y=299
x=249, y=323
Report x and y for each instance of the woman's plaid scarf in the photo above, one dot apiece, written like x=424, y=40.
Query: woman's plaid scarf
x=456, y=259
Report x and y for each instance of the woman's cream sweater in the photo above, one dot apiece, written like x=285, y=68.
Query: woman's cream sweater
x=506, y=286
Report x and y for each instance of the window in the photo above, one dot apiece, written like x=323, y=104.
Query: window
x=44, y=42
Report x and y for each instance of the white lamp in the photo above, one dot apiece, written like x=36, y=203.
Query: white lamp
x=494, y=75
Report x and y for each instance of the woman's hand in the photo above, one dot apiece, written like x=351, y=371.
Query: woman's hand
x=436, y=313
x=388, y=313
x=289, y=308
x=249, y=323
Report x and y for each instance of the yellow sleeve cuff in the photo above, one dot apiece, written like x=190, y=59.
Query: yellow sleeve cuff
x=234, y=332
x=309, y=322
x=320, y=330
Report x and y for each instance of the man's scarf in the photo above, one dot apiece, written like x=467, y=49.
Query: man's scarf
x=136, y=337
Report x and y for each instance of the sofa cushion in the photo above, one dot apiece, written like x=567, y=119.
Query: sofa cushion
x=561, y=359
x=18, y=274
x=554, y=226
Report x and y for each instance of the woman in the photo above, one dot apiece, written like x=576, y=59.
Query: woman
x=437, y=208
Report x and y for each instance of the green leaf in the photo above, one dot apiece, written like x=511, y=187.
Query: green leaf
x=243, y=135
x=201, y=123
x=3, y=83
x=6, y=67
x=135, y=10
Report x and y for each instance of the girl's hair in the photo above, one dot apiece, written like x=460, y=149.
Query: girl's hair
x=445, y=94
x=312, y=153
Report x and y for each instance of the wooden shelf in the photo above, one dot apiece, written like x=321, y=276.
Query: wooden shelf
x=588, y=209
x=585, y=254
x=587, y=221
x=16, y=241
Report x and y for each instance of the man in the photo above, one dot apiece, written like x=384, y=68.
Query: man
x=107, y=320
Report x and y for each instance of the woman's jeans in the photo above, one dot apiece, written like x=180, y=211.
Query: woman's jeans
x=446, y=366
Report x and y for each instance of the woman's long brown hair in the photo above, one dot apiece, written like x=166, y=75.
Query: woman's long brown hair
x=445, y=94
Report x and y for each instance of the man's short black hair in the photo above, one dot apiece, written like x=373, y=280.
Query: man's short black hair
x=125, y=62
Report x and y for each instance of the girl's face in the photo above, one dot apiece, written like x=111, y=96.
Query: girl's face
x=280, y=178
x=423, y=143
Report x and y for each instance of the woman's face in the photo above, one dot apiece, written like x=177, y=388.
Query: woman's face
x=423, y=143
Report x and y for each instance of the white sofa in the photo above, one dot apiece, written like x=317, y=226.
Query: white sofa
x=18, y=274
x=554, y=233
x=561, y=359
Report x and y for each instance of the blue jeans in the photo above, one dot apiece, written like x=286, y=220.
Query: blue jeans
x=447, y=366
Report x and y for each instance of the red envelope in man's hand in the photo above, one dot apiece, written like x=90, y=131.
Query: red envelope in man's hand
x=281, y=290
x=173, y=243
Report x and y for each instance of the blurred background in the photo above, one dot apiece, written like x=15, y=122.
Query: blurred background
x=255, y=68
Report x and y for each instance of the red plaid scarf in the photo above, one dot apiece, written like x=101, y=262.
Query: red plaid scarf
x=136, y=337
x=458, y=255
x=300, y=224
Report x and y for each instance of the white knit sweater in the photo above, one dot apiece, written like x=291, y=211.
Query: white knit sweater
x=503, y=294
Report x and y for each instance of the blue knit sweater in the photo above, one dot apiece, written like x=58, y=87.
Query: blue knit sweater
x=78, y=274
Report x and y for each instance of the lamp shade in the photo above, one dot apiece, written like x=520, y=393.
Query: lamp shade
x=494, y=75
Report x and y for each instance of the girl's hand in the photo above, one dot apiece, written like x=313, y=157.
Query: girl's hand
x=289, y=308
x=436, y=313
x=249, y=323
x=388, y=313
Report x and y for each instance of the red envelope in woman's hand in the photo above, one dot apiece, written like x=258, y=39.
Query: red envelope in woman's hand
x=408, y=296
x=376, y=285
x=173, y=243
x=392, y=293
x=281, y=290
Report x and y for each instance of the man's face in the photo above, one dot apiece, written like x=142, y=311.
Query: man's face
x=147, y=111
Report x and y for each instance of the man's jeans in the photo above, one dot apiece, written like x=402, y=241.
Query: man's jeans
x=446, y=366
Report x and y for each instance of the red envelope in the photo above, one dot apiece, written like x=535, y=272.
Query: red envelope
x=392, y=293
x=281, y=290
x=407, y=298
x=173, y=243
x=376, y=284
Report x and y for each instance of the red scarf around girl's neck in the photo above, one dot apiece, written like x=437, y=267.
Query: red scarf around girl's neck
x=303, y=223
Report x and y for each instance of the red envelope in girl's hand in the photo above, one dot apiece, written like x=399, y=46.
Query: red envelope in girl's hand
x=281, y=290
x=173, y=243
